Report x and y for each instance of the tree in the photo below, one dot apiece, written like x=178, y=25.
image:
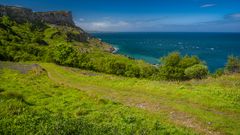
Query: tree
x=233, y=64
x=64, y=55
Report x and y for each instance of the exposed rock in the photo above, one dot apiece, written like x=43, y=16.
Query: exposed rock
x=77, y=37
x=22, y=68
x=21, y=14
x=56, y=17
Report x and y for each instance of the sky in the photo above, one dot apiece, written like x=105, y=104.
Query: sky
x=145, y=15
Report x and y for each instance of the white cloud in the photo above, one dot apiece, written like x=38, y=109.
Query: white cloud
x=105, y=25
x=207, y=5
x=235, y=16
x=81, y=19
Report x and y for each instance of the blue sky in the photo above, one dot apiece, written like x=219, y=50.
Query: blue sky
x=146, y=15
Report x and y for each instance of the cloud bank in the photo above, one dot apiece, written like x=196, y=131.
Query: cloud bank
x=207, y=5
x=103, y=25
x=178, y=23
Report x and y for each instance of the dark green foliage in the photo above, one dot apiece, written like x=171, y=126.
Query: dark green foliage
x=198, y=71
x=14, y=95
x=233, y=64
x=219, y=72
x=21, y=42
x=1, y=90
x=101, y=61
x=64, y=55
x=174, y=65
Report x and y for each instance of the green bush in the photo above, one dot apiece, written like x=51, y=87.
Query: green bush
x=198, y=71
x=233, y=64
x=219, y=72
x=173, y=66
x=64, y=55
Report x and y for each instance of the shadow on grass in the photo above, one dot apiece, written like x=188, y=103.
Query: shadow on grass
x=16, y=95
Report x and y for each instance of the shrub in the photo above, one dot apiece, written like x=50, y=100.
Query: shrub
x=233, y=64
x=169, y=67
x=64, y=55
x=198, y=71
x=173, y=66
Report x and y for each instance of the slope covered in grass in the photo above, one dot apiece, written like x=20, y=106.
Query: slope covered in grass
x=64, y=45
x=209, y=106
x=67, y=100
x=31, y=103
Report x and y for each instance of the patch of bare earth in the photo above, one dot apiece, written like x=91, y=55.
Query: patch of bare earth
x=179, y=118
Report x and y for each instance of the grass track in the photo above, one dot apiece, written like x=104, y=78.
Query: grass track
x=109, y=104
x=210, y=106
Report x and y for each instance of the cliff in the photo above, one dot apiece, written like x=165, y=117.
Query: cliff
x=20, y=14
x=62, y=20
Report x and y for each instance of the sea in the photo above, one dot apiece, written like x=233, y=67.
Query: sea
x=212, y=48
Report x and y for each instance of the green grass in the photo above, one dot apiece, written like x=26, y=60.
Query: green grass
x=33, y=104
x=73, y=101
x=210, y=105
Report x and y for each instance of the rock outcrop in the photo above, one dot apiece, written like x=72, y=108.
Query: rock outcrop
x=20, y=14
x=56, y=17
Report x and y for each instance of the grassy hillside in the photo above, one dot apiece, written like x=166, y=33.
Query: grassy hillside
x=83, y=101
x=31, y=103
x=68, y=46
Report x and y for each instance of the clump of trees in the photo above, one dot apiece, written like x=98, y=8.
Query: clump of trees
x=198, y=71
x=176, y=67
x=101, y=61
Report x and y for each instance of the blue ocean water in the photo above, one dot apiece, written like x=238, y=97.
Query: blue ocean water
x=213, y=48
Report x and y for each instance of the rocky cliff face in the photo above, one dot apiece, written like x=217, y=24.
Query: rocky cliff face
x=20, y=14
x=57, y=17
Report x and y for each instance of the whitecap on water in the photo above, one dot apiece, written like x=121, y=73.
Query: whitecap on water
x=180, y=43
x=115, y=50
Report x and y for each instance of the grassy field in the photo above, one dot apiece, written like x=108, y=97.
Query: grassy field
x=64, y=100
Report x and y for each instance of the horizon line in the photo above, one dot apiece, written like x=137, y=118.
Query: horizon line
x=159, y=32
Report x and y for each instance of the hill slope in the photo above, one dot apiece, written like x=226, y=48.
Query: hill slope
x=52, y=37
x=207, y=107
x=31, y=103
x=41, y=28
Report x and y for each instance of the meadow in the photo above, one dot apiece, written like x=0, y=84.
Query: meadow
x=64, y=100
